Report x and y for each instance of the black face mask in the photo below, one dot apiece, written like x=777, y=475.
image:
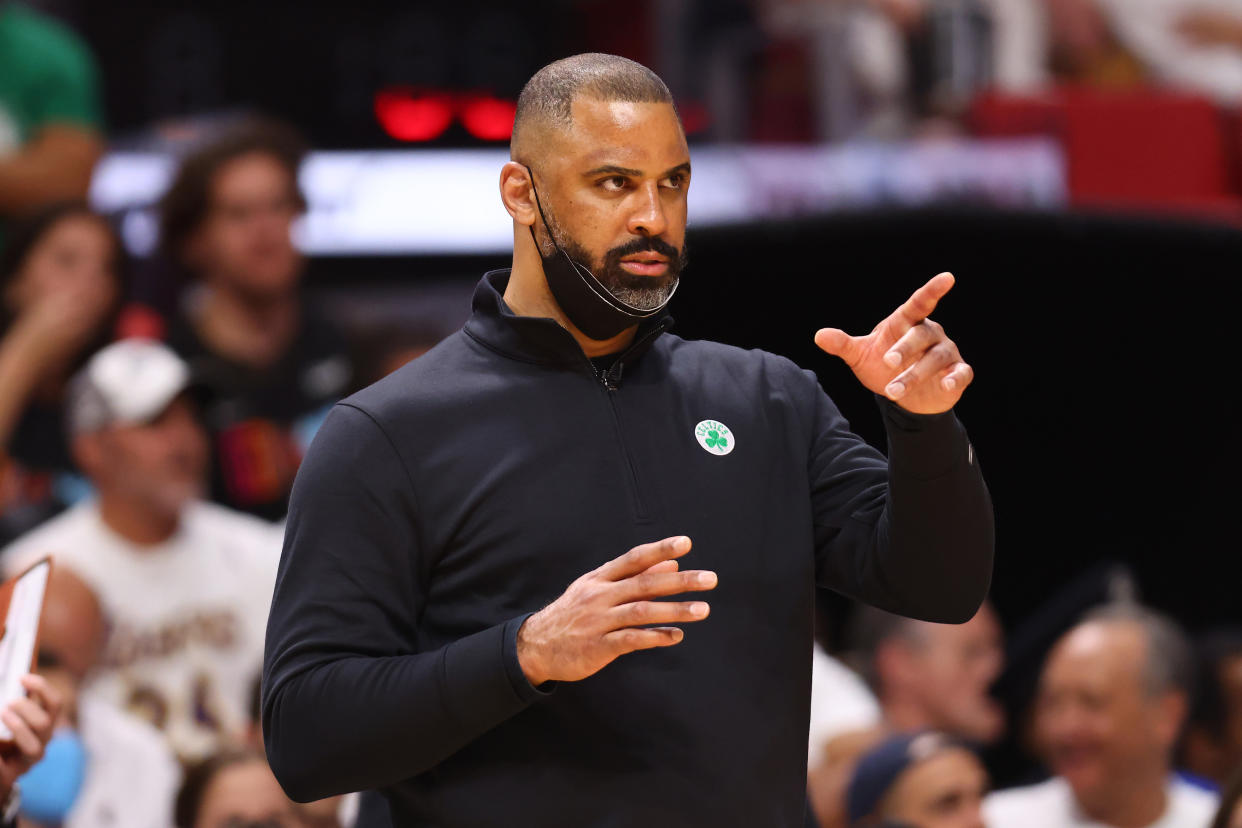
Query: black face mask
x=582, y=297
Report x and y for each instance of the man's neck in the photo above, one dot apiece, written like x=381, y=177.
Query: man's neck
x=247, y=331
x=527, y=294
x=1135, y=801
x=904, y=716
x=137, y=523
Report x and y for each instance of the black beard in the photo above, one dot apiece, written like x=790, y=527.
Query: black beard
x=641, y=292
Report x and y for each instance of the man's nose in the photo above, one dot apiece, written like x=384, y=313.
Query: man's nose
x=648, y=217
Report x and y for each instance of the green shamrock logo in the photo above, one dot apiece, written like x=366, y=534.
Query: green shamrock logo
x=714, y=440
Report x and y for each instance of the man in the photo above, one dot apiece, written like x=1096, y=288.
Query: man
x=49, y=113
x=440, y=509
x=1212, y=744
x=185, y=585
x=925, y=676
x=106, y=767
x=918, y=780
x=271, y=362
x=1112, y=700
x=934, y=675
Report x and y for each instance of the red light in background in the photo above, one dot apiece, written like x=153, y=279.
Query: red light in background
x=408, y=115
x=695, y=117
x=488, y=118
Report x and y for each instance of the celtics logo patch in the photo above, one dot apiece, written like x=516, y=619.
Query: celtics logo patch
x=714, y=437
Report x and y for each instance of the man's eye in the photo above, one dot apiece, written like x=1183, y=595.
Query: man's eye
x=674, y=182
x=614, y=183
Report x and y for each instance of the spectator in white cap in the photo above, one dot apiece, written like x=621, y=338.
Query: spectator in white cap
x=185, y=584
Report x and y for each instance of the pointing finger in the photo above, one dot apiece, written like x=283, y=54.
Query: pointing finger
x=643, y=557
x=924, y=300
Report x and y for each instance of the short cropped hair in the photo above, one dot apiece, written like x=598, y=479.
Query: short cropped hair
x=870, y=629
x=1169, y=664
x=548, y=97
x=188, y=199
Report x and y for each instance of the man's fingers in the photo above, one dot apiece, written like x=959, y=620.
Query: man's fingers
x=662, y=566
x=630, y=639
x=663, y=584
x=935, y=360
x=642, y=613
x=27, y=742
x=957, y=377
x=924, y=300
x=44, y=694
x=912, y=345
x=643, y=557
x=837, y=342
x=34, y=716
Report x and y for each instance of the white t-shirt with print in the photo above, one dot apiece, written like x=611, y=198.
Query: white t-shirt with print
x=132, y=776
x=187, y=617
x=1051, y=805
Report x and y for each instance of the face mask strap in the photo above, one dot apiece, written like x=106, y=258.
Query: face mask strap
x=583, y=271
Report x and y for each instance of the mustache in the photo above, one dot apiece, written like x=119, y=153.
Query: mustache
x=645, y=244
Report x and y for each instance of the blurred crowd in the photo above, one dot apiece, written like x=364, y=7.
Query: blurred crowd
x=150, y=432
x=835, y=69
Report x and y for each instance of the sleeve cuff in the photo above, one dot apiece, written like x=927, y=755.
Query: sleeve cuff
x=482, y=673
x=521, y=684
x=924, y=445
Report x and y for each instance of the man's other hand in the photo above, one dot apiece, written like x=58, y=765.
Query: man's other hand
x=31, y=721
x=907, y=357
x=602, y=614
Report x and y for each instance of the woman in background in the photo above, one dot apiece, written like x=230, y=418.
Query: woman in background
x=61, y=288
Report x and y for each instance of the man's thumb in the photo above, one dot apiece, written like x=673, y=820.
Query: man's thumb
x=835, y=341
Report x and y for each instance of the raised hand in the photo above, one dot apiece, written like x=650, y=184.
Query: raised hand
x=907, y=357
x=601, y=615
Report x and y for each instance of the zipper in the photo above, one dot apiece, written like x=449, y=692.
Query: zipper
x=610, y=381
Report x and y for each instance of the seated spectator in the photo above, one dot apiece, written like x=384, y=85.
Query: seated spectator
x=104, y=767
x=918, y=780
x=1112, y=700
x=1229, y=815
x=185, y=585
x=1212, y=743
x=272, y=363
x=1195, y=45
x=233, y=789
x=924, y=676
x=49, y=113
x=60, y=292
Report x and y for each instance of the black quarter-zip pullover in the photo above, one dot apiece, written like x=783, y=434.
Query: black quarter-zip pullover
x=441, y=506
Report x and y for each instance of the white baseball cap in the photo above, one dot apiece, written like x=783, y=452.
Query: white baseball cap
x=128, y=382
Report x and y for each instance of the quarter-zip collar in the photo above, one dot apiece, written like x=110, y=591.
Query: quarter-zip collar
x=540, y=339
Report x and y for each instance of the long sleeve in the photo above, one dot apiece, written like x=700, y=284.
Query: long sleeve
x=913, y=535
x=349, y=702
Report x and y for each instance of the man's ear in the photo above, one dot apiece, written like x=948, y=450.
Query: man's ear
x=517, y=193
x=1170, y=712
x=894, y=664
x=87, y=453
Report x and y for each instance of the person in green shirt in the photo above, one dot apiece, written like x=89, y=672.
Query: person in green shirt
x=50, y=120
